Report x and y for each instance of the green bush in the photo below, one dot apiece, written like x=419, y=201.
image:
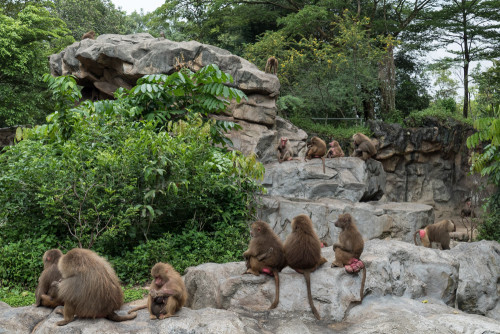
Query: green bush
x=442, y=110
x=133, y=190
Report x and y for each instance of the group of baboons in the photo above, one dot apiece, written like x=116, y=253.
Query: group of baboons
x=88, y=287
x=316, y=148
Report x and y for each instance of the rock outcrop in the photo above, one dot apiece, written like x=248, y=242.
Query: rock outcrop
x=427, y=165
x=112, y=61
x=409, y=289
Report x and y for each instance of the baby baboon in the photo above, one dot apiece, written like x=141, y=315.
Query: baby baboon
x=89, y=34
x=316, y=149
x=265, y=254
x=285, y=152
x=272, y=65
x=303, y=252
x=158, y=306
x=46, y=292
x=349, y=248
x=167, y=282
x=89, y=287
x=363, y=147
x=335, y=150
x=437, y=232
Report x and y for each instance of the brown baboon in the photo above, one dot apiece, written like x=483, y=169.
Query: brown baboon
x=167, y=282
x=349, y=248
x=285, y=152
x=89, y=34
x=272, y=65
x=265, y=254
x=335, y=150
x=303, y=252
x=316, y=149
x=467, y=210
x=89, y=287
x=437, y=232
x=363, y=147
x=46, y=292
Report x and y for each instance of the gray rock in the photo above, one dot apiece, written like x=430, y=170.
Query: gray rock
x=113, y=61
x=479, y=282
x=375, y=220
x=393, y=268
x=344, y=178
x=396, y=315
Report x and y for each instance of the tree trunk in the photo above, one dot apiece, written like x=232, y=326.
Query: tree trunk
x=387, y=77
x=466, y=61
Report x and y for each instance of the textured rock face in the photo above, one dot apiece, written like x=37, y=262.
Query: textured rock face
x=374, y=220
x=344, y=178
x=111, y=61
x=426, y=165
x=394, y=268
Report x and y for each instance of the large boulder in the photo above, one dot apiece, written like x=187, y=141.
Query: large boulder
x=375, y=220
x=344, y=178
x=112, y=61
x=394, y=268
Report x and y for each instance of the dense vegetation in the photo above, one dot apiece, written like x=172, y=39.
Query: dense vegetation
x=137, y=183
x=147, y=177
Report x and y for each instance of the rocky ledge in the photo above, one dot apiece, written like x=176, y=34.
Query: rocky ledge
x=408, y=289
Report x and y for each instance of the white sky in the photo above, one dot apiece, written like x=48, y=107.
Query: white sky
x=130, y=5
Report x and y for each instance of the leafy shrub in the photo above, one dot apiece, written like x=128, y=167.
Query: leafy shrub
x=440, y=111
x=99, y=177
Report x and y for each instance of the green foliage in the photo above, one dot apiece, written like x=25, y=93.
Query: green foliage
x=439, y=110
x=132, y=294
x=335, y=79
x=188, y=247
x=25, y=43
x=16, y=297
x=99, y=15
x=488, y=96
x=112, y=182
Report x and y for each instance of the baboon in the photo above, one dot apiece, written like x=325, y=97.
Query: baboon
x=158, y=306
x=467, y=210
x=437, y=232
x=335, y=150
x=349, y=248
x=89, y=287
x=272, y=65
x=46, y=292
x=285, y=152
x=167, y=282
x=265, y=254
x=303, y=252
x=363, y=147
x=89, y=34
x=316, y=149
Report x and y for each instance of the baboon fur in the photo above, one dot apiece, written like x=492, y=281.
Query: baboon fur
x=46, y=292
x=303, y=252
x=438, y=232
x=335, y=150
x=285, y=152
x=167, y=282
x=350, y=245
x=265, y=250
x=271, y=65
x=363, y=147
x=89, y=34
x=316, y=149
x=89, y=287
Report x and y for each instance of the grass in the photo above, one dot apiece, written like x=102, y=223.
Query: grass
x=17, y=297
